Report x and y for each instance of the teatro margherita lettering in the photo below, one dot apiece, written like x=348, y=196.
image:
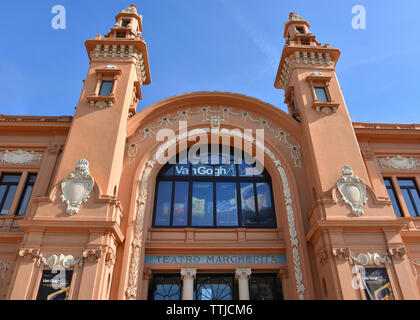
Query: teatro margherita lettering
x=215, y=259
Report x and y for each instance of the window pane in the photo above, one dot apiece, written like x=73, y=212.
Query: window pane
x=408, y=202
x=407, y=183
x=388, y=182
x=163, y=205
x=394, y=201
x=249, y=215
x=265, y=207
x=10, y=194
x=226, y=204
x=24, y=200
x=265, y=287
x=202, y=204
x=214, y=288
x=168, y=171
x=181, y=204
x=165, y=288
x=11, y=178
x=321, y=94
x=106, y=88
x=32, y=178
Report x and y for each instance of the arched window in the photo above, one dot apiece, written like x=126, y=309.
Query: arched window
x=213, y=190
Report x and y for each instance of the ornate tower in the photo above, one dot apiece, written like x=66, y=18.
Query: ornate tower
x=89, y=169
x=118, y=69
x=344, y=203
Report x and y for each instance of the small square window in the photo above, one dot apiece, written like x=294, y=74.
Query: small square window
x=106, y=88
x=300, y=29
x=120, y=34
x=321, y=94
x=305, y=42
x=125, y=22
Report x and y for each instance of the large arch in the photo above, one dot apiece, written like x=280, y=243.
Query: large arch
x=280, y=160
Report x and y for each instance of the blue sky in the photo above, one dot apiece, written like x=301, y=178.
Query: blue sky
x=220, y=45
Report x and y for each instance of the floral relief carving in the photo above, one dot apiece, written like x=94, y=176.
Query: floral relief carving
x=77, y=186
x=400, y=162
x=20, y=156
x=352, y=190
x=92, y=255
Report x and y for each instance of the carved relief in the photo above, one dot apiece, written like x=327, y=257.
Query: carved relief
x=397, y=253
x=4, y=266
x=110, y=258
x=400, y=163
x=92, y=255
x=77, y=187
x=323, y=256
x=20, y=156
x=364, y=259
x=353, y=190
x=29, y=254
x=59, y=260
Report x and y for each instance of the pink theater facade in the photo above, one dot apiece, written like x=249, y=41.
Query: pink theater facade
x=334, y=214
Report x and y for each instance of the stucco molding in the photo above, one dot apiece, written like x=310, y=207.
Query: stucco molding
x=215, y=116
x=352, y=190
x=399, y=162
x=364, y=259
x=397, y=253
x=60, y=260
x=142, y=200
x=76, y=187
x=4, y=266
x=29, y=254
x=138, y=231
x=20, y=157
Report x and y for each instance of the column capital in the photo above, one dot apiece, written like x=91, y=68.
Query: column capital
x=243, y=273
x=188, y=273
x=283, y=274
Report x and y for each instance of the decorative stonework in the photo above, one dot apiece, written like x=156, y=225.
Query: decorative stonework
x=29, y=254
x=368, y=258
x=143, y=198
x=210, y=115
x=110, y=258
x=397, y=253
x=400, y=162
x=323, y=256
x=60, y=260
x=138, y=231
x=92, y=255
x=77, y=186
x=364, y=259
x=4, y=266
x=121, y=51
x=353, y=190
x=20, y=156
x=304, y=57
x=242, y=273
